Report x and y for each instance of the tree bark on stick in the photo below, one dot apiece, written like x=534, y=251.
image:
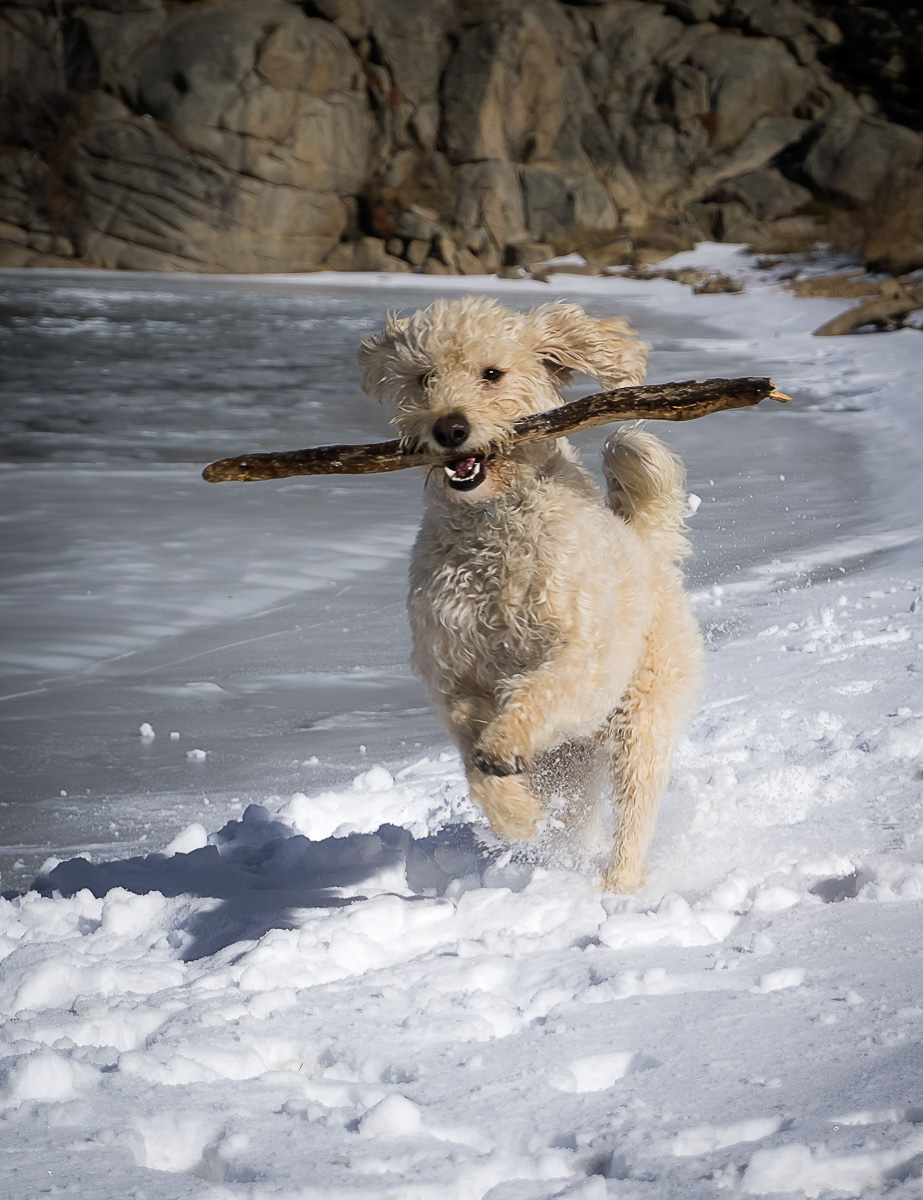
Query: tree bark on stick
x=660, y=402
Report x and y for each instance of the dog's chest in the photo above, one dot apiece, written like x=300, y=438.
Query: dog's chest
x=480, y=589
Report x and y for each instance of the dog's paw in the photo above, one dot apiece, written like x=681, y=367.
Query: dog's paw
x=493, y=764
x=622, y=880
x=519, y=826
x=513, y=811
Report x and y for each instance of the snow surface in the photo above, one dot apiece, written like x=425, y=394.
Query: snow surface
x=280, y=955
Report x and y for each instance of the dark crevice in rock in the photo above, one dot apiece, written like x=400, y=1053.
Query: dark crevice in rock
x=881, y=55
x=80, y=61
x=791, y=159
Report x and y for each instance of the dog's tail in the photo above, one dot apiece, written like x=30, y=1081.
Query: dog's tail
x=647, y=488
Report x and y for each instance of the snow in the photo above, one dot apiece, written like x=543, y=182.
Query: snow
x=276, y=953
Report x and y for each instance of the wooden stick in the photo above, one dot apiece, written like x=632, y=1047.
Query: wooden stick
x=883, y=314
x=660, y=402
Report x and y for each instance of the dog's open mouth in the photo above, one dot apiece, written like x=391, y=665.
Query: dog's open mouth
x=465, y=474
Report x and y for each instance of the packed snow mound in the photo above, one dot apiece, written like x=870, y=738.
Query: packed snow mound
x=389, y=1002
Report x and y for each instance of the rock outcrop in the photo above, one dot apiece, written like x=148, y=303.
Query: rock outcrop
x=447, y=137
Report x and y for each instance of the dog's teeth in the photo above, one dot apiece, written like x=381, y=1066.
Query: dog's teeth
x=464, y=470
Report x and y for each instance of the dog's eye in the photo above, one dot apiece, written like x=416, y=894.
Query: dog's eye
x=492, y=374
x=425, y=378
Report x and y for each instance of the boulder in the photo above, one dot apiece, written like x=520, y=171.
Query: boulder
x=489, y=194
x=229, y=161
x=766, y=141
x=527, y=254
x=445, y=250
x=416, y=251
x=342, y=257
x=554, y=203
x=733, y=222
x=502, y=95
x=632, y=38
x=352, y=16
x=853, y=159
x=372, y=255
x=748, y=79
x=772, y=18
x=766, y=194
x=404, y=49
x=418, y=223
x=468, y=263
x=277, y=96
x=547, y=201
x=615, y=253
x=115, y=42
x=791, y=234
x=411, y=37
x=368, y=254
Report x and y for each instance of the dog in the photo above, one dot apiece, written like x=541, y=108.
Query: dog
x=550, y=623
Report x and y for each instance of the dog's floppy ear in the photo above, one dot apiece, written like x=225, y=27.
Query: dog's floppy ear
x=568, y=340
x=380, y=355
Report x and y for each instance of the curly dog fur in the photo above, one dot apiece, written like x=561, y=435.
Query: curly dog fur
x=551, y=630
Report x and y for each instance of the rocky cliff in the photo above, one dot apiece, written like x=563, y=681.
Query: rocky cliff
x=268, y=135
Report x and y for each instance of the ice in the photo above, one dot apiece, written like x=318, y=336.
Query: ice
x=298, y=963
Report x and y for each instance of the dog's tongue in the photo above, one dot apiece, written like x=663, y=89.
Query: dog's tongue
x=464, y=468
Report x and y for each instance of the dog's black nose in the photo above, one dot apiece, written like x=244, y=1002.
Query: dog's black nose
x=451, y=431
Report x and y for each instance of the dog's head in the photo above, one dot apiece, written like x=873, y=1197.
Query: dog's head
x=460, y=373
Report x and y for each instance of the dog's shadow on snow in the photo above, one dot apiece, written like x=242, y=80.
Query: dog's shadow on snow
x=261, y=875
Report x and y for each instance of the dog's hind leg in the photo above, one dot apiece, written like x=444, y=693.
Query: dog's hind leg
x=642, y=768
x=641, y=736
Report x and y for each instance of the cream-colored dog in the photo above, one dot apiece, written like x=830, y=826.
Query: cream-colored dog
x=552, y=631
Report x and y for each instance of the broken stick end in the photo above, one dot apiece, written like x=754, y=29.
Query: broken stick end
x=223, y=472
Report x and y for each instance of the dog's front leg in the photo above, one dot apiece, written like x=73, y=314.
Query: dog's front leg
x=558, y=700
x=507, y=803
x=562, y=698
x=504, y=798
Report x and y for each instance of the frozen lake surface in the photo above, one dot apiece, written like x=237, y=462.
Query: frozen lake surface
x=265, y=623
x=279, y=955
